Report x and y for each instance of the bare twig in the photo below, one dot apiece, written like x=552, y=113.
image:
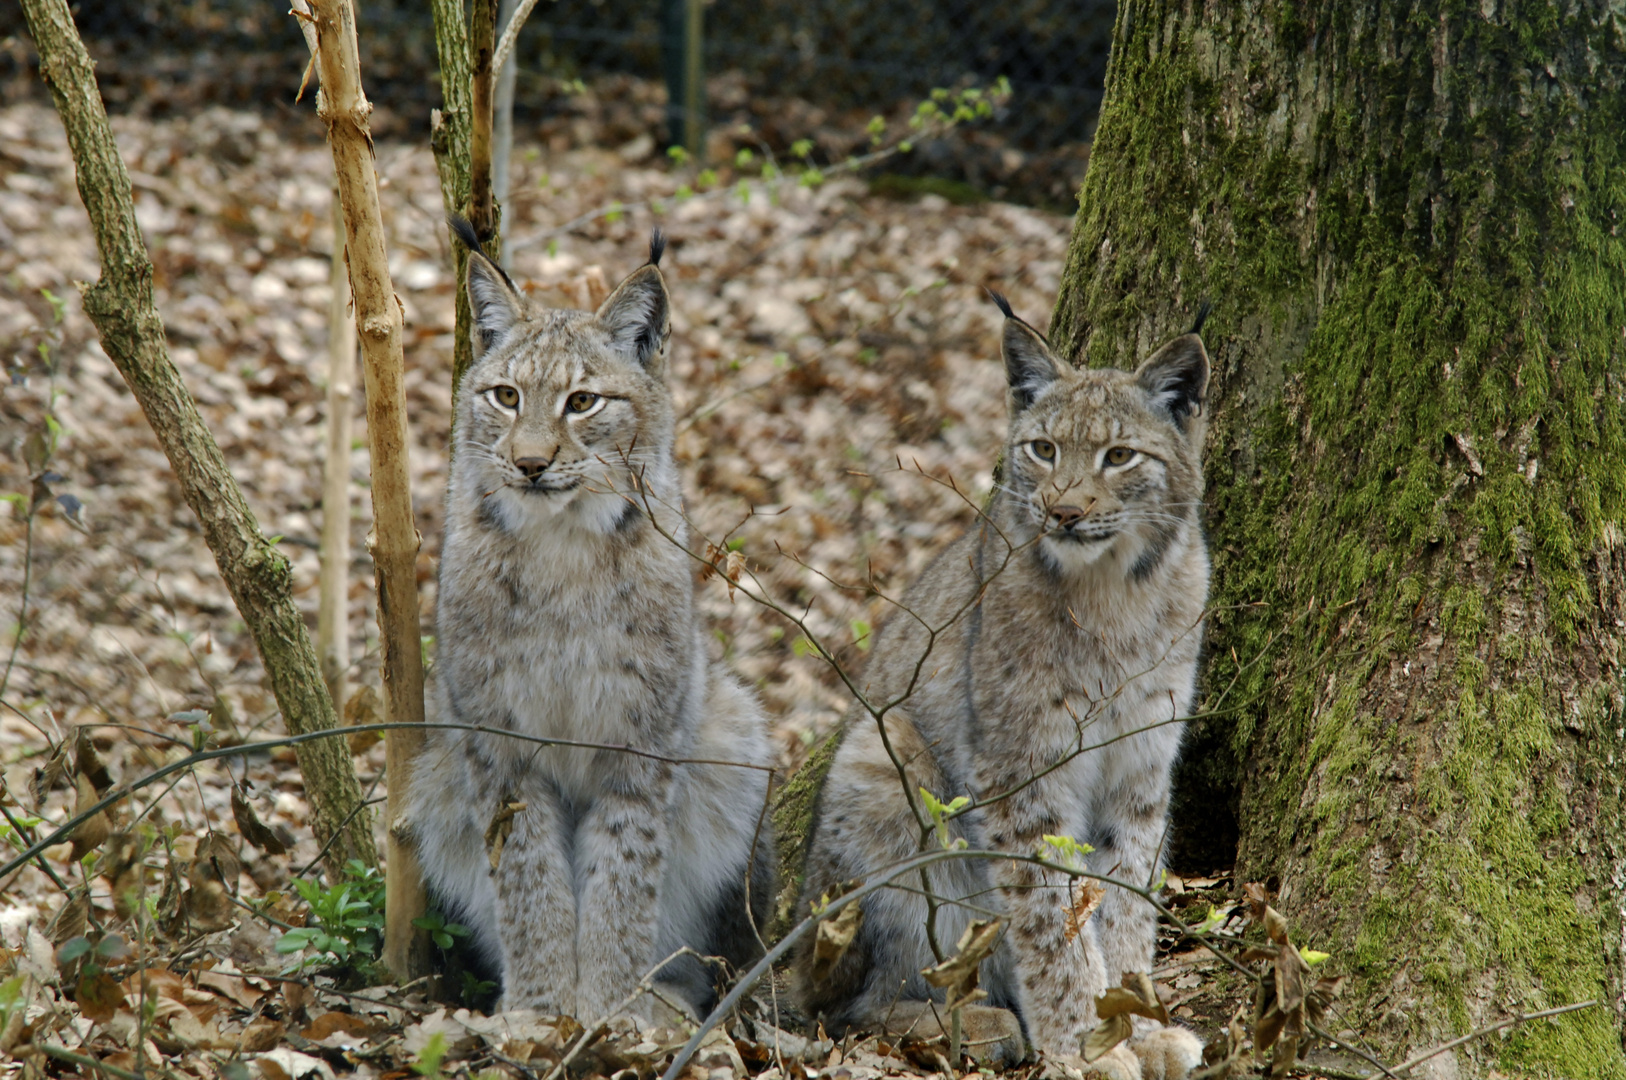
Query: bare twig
x=510, y=34
x=1512, y=1021
x=124, y=791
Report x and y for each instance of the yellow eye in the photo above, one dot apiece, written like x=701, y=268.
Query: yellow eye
x=1119, y=455
x=580, y=401
x=1043, y=449
x=506, y=396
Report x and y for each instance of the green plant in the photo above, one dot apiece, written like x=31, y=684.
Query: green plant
x=441, y=932
x=345, y=922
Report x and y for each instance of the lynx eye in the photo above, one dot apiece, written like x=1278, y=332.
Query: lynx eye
x=582, y=401
x=505, y=396
x=1043, y=449
x=1119, y=455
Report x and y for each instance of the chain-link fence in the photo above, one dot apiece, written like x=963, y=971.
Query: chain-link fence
x=842, y=60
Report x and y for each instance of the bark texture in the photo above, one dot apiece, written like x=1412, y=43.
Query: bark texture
x=1408, y=217
x=121, y=305
x=394, y=541
x=450, y=136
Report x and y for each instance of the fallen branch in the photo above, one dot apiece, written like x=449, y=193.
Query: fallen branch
x=132, y=334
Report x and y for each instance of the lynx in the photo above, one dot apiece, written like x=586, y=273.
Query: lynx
x=1043, y=663
x=566, y=611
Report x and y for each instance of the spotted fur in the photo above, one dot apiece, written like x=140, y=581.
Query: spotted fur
x=1057, y=639
x=566, y=610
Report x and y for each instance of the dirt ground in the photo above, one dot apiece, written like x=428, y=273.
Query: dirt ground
x=836, y=374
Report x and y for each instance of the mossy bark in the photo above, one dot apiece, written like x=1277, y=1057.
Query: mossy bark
x=1408, y=217
x=449, y=138
x=122, y=305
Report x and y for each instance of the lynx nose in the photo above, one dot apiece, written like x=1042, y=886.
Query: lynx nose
x=532, y=467
x=1066, y=517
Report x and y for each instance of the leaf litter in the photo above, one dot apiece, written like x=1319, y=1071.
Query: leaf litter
x=840, y=403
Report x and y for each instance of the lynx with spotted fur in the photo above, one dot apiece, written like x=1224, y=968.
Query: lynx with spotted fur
x=566, y=610
x=1067, y=625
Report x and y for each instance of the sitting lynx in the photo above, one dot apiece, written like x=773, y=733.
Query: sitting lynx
x=566, y=610
x=1067, y=630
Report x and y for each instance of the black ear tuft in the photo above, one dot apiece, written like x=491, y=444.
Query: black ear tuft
x=1176, y=378
x=464, y=230
x=657, y=246
x=1030, y=366
x=1202, y=317
x=1003, y=304
x=492, y=297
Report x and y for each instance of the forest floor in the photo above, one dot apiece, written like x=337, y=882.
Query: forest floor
x=840, y=400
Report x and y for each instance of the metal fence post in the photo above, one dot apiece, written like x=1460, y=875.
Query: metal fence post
x=694, y=79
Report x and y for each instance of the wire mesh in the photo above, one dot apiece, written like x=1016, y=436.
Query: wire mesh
x=840, y=56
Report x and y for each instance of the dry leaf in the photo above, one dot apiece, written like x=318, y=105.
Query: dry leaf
x=1256, y=898
x=250, y=827
x=497, y=833
x=1136, y=995
x=49, y=775
x=833, y=936
x=1090, y=895
x=958, y=974
x=261, y=1035
x=87, y=762
x=330, y=1022
x=70, y=920
x=363, y=708
x=231, y=986
x=98, y=996
x=1107, y=1034
x=94, y=830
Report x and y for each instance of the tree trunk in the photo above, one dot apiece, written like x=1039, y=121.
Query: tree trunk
x=449, y=138
x=132, y=334
x=1408, y=218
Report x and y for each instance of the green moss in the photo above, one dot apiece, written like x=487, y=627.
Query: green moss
x=793, y=807
x=1418, y=448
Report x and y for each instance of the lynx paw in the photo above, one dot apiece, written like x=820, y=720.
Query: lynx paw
x=1167, y=1053
x=991, y=1036
x=1116, y=1064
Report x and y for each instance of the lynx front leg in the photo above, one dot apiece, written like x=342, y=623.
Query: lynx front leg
x=1058, y=968
x=1130, y=824
x=621, y=860
x=536, y=911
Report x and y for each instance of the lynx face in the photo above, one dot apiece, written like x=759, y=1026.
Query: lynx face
x=1105, y=465
x=561, y=410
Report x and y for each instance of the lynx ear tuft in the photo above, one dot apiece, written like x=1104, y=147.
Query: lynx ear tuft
x=1030, y=366
x=657, y=246
x=1001, y=303
x=1176, y=377
x=1203, y=312
x=492, y=297
x=638, y=314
